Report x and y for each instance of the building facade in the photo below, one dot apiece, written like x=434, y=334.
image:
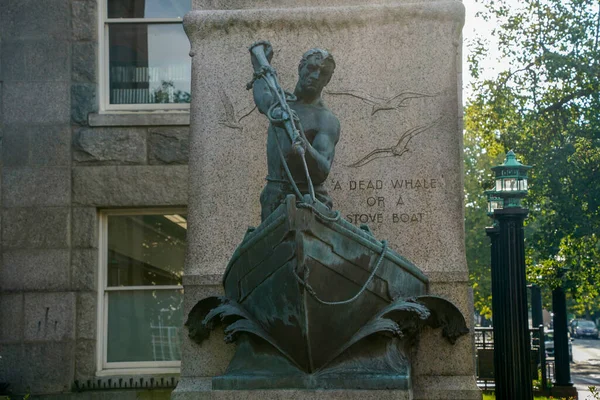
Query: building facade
x=94, y=120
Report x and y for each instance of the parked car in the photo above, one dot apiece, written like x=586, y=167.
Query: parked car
x=584, y=328
x=549, y=344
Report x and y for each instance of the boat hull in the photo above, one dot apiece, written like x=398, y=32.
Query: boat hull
x=288, y=271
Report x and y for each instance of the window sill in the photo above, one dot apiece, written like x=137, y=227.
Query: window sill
x=149, y=372
x=139, y=119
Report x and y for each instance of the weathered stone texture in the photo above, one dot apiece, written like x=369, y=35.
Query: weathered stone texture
x=244, y=4
x=86, y=315
x=83, y=102
x=110, y=146
x=1, y=99
x=446, y=388
x=12, y=366
x=36, y=269
x=50, y=367
x=84, y=62
x=35, y=19
x=11, y=315
x=50, y=145
x=130, y=186
x=199, y=389
x=15, y=146
x=212, y=357
x=85, y=360
x=35, y=228
x=141, y=119
x=85, y=20
x=36, y=102
x=84, y=269
x=84, y=232
x=168, y=145
x=31, y=187
x=49, y=316
x=35, y=60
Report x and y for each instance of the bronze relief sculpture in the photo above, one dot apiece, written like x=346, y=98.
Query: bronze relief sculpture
x=311, y=300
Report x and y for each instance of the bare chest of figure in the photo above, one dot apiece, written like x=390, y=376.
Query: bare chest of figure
x=310, y=118
x=310, y=121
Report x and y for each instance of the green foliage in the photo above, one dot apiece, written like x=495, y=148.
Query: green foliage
x=166, y=93
x=492, y=396
x=25, y=397
x=480, y=155
x=546, y=106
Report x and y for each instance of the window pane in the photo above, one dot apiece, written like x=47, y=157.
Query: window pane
x=145, y=250
x=144, y=325
x=149, y=64
x=148, y=8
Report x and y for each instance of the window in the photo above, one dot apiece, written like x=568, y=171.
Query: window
x=145, y=63
x=140, y=294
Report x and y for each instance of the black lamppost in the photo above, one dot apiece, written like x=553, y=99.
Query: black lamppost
x=563, y=386
x=512, y=346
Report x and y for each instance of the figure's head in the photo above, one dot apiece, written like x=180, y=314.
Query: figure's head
x=314, y=72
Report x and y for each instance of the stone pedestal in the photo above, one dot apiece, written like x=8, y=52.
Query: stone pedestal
x=398, y=164
x=200, y=389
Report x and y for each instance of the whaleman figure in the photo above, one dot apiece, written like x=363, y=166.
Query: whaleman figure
x=310, y=149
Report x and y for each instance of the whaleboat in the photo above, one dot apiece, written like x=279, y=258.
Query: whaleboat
x=308, y=277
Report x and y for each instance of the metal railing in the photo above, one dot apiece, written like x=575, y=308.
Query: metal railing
x=542, y=367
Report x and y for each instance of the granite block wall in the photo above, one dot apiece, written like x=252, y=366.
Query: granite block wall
x=61, y=161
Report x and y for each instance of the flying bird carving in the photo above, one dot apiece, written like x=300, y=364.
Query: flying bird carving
x=230, y=120
x=395, y=151
x=381, y=103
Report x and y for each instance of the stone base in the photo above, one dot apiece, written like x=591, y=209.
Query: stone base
x=197, y=389
x=446, y=388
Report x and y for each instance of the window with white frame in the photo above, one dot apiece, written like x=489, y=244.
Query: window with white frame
x=145, y=61
x=141, y=295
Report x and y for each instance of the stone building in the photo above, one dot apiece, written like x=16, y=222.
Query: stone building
x=94, y=120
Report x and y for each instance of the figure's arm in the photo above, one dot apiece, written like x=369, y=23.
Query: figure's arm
x=319, y=154
x=263, y=96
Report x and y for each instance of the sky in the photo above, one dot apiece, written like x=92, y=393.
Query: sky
x=473, y=27
x=477, y=27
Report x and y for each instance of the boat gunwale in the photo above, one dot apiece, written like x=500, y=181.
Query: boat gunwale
x=341, y=226
x=251, y=239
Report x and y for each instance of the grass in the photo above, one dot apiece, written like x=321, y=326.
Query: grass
x=492, y=397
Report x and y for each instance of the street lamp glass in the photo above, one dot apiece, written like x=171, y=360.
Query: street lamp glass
x=510, y=184
x=494, y=202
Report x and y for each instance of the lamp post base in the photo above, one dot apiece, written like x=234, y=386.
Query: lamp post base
x=567, y=392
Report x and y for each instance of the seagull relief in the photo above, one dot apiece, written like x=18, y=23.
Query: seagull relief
x=397, y=150
x=230, y=119
x=381, y=103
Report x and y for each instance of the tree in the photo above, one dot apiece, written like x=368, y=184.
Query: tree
x=546, y=106
x=479, y=156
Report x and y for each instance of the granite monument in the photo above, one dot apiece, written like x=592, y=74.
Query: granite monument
x=313, y=301
x=397, y=167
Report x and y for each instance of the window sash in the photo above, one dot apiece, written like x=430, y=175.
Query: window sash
x=130, y=288
x=103, y=367
x=143, y=20
x=104, y=61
